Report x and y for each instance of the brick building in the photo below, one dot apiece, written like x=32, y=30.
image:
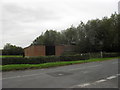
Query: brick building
x=42, y=50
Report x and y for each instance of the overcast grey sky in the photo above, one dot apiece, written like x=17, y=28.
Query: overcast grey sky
x=21, y=21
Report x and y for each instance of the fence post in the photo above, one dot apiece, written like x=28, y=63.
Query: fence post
x=89, y=55
x=101, y=53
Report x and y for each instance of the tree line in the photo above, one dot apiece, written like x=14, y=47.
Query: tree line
x=12, y=50
x=94, y=36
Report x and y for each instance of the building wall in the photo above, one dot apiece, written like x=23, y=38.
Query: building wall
x=59, y=50
x=63, y=48
x=41, y=50
x=35, y=51
x=69, y=48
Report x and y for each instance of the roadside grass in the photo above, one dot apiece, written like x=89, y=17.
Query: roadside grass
x=47, y=65
x=10, y=56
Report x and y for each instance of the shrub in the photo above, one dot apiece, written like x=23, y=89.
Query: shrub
x=111, y=54
x=69, y=53
x=74, y=57
x=94, y=55
x=104, y=54
x=46, y=59
x=13, y=60
x=31, y=60
x=42, y=59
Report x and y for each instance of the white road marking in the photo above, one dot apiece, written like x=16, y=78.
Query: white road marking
x=60, y=74
x=99, y=81
x=96, y=82
x=83, y=85
x=111, y=77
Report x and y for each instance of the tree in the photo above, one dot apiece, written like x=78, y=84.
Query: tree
x=12, y=50
x=69, y=35
x=50, y=37
x=94, y=36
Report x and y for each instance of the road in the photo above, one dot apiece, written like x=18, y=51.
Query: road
x=102, y=74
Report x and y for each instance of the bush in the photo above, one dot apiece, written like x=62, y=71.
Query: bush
x=69, y=53
x=13, y=60
x=111, y=54
x=74, y=57
x=104, y=55
x=95, y=55
x=31, y=60
x=42, y=59
x=46, y=59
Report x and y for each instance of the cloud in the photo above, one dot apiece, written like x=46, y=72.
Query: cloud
x=19, y=22
x=17, y=13
x=23, y=20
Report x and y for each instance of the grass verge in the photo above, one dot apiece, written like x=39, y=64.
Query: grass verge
x=10, y=56
x=47, y=65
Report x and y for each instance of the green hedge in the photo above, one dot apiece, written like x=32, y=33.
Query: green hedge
x=46, y=59
x=104, y=55
x=42, y=59
x=32, y=60
x=111, y=54
x=94, y=55
x=74, y=57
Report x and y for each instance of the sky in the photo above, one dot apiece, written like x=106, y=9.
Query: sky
x=21, y=21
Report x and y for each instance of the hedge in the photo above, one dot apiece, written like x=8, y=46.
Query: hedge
x=42, y=59
x=32, y=60
x=104, y=55
x=46, y=59
x=111, y=54
x=74, y=57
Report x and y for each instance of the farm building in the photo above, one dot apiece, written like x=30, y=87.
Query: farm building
x=42, y=50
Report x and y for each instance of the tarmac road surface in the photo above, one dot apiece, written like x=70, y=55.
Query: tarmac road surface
x=102, y=74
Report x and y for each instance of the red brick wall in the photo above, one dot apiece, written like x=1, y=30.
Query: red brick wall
x=35, y=51
x=40, y=50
